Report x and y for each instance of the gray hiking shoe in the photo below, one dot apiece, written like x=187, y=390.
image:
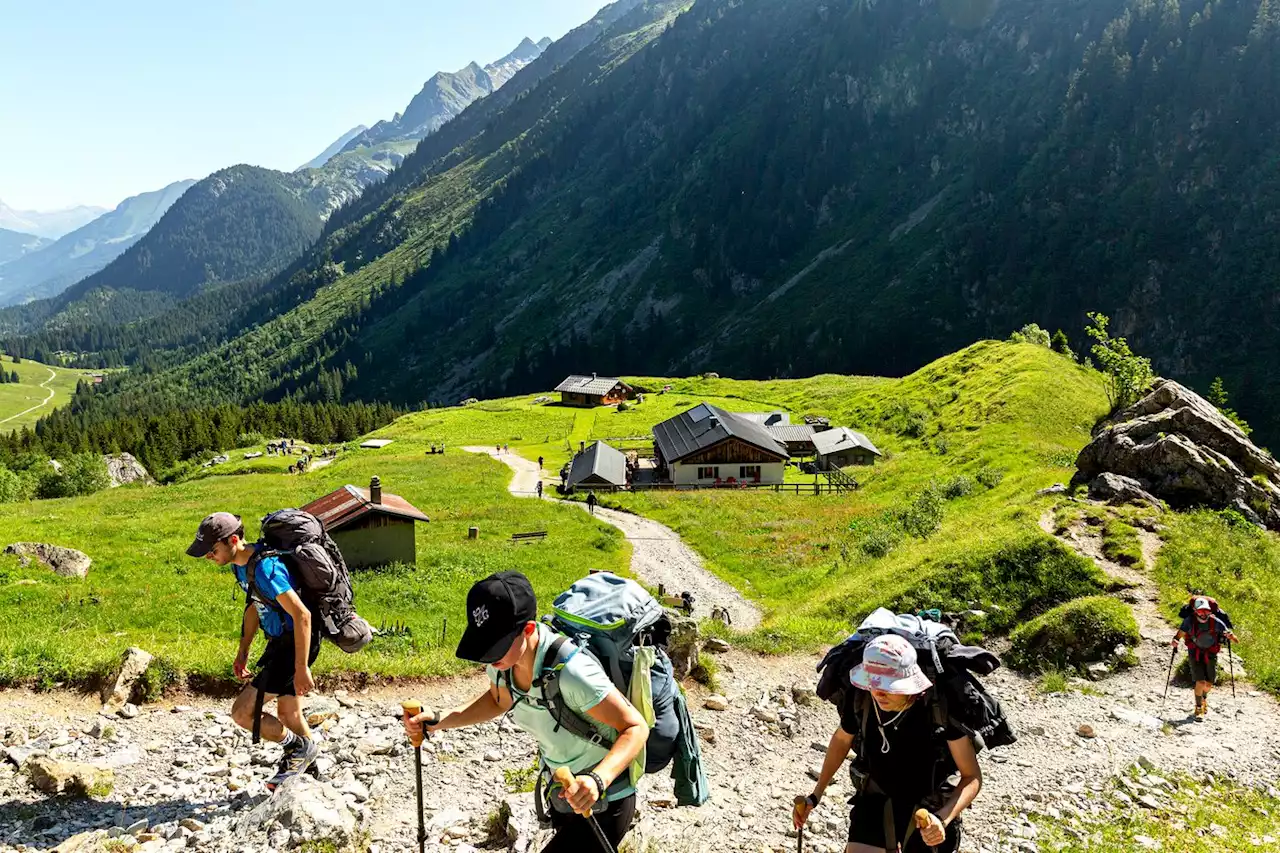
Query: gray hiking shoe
x=297, y=760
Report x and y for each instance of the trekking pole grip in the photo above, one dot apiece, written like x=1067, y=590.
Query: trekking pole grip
x=922, y=821
x=413, y=708
x=564, y=778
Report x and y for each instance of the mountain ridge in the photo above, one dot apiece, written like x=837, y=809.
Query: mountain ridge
x=50, y=224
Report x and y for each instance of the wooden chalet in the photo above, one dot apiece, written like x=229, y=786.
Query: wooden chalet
x=371, y=528
x=593, y=390
x=842, y=447
x=707, y=446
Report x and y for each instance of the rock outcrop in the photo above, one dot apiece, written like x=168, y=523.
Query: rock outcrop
x=1179, y=448
x=67, y=562
x=119, y=690
x=124, y=469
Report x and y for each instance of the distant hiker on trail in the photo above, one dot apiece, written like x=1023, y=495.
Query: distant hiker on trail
x=503, y=632
x=293, y=642
x=539, y=490
x=1203, y=628
x=903, y=759
x=591, y=502
x=539, y=463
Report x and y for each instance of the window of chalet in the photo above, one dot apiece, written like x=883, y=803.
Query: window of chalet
x=749, y=472
x=708, y=473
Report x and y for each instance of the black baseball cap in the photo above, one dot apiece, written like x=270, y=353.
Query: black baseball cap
x=212, y=530
x=498, y=608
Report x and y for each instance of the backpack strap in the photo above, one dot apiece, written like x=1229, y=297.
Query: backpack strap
x=251, y=583
x=566, y=718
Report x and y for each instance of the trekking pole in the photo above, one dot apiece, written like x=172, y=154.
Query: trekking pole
x=412, y=709
x=1172, y=657
x=922, y=823
x=564, y=777
x=800, y=839
x=1231, y=661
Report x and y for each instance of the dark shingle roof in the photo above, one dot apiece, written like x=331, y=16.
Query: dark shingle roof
x=589, y=384
x=842, y=438
x=704, y=425
x=602, y=461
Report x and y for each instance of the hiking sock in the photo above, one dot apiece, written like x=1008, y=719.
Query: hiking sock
x=291, y=740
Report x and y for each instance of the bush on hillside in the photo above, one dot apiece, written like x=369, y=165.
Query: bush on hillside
x=81, y=474
x=1128, y=376
x=990, y=477
x=1030, y=334
x=957, y=487
x=1073, y=635
x=923, y=516
x=250, y=439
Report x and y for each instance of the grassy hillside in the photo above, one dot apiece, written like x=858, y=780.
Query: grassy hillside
x=143, y=590
x=15, y=399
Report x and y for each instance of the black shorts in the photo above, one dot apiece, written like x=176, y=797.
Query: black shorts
x=867, y=826
x=276, y=666
x=1205, y=670
x=574, y=833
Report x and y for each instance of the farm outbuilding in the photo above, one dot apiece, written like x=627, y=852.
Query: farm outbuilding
x=371, y=528
x=707, y=445
x=797, y=438
x=841, y=447
x=598, y=465
x=593, y=390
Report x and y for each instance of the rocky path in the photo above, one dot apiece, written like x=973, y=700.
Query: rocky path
x=658, y=554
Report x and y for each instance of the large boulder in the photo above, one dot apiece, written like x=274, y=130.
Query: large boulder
x=308, y=809
x=67, y=562
x=125, y=469
x=682, y=646
x=1116, y=489
x=1179, y=448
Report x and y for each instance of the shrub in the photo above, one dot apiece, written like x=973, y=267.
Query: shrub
x=1073, y=634
x=1031, y=334
x=250, y=439
x=990, y=477
x=880, y=537
x=81, y=474
x=706, y=673
x=923, y=516
x=942, y=446
x=520, y=780
x=623, y=406
x=1128, y=376
x=957, y=487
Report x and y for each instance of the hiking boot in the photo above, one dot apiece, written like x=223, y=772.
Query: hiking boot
x=297, y=760
x=1201, y=707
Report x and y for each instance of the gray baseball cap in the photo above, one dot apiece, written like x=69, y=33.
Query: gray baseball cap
x=212, y=530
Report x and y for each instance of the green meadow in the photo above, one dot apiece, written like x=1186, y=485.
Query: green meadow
x=27, y=393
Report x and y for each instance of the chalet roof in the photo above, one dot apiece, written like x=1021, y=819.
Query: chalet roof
x=599, y=385
x=792, y=432
x=769, y=419
x=705, y=425
x=601, y=460
x=349, y=504
x=842, y=438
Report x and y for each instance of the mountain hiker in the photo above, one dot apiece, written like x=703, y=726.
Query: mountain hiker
x=1203, y=629
x=539, y=463
x=904, y=758
x=539, y=490
x=503, y=632
x=591, y=502
x=293, y=642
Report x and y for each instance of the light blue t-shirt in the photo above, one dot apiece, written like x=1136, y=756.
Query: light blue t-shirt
x=273, y=580
x=583, y=685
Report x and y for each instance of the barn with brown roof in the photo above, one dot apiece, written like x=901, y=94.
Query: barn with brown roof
x=593, y=390
x=372, y=528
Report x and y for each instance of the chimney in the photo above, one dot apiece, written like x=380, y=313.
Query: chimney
x=593, y=375
x=582, y=447
x=713, y=422
x=375, y=490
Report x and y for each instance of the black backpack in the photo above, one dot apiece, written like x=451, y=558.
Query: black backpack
x=1188, y=610
x=313, y=559
x=957, y=698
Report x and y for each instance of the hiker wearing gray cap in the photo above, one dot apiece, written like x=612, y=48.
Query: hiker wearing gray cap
x=293, y=641
x=903, y=799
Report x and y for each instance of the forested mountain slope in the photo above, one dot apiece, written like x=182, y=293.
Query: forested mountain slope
x=798, y=186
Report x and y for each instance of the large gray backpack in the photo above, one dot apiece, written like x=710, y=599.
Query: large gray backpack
x=315, y=563
x=609, y=617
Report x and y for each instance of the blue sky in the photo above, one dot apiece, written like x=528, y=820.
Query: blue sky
x=100, y=101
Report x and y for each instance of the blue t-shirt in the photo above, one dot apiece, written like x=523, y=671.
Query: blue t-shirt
x=273, y=580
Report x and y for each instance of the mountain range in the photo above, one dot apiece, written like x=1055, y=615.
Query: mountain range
x=54, y=266
x=800, y=186
x=48, y=224
x=336, y=146
x=446, y=95
x=14, y=244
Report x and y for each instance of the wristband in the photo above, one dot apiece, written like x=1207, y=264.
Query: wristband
x=600, y=786
x=813, y=800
